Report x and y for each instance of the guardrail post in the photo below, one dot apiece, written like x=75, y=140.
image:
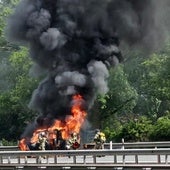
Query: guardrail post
x=19, y=160
x=136, y=159
x=110, y=145
x=166, y=159
x=84, y=159
x=38, y=160
x=26, y=159
x=74, y=159
x=47, y=158
x=123, y=158
x=55, y=159
x=9, y=160
x=123, y=141
x=115, y=159
x=159, y=159
x=94, y=159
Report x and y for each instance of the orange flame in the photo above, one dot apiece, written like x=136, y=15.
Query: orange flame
x=71, y=124
x=22, y=145
x=34, y=138
x=74, y=122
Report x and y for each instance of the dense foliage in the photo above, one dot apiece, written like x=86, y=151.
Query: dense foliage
x=14, y=112
x=16, y=85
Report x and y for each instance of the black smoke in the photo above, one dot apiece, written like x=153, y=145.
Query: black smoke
x=76, y=42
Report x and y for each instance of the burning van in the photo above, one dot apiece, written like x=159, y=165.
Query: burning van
x=61, y=135
x=50, y=141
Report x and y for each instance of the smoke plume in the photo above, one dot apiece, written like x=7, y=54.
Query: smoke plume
x=76, y=42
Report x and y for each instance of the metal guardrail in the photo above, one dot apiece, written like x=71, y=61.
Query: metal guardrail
x=86, y=158
x=117, y=153
x=130, y=145
x=9, y=148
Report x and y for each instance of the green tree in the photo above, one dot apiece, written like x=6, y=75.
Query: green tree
x=121, y=98
x=149, y=75
x=137, y=129
x=115, y=107
x=16, y=86
x=6, y=48
x=161, y=129
x=14, y=113
x=6, y=8
x=156, y=83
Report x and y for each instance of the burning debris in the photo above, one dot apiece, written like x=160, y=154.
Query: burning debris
x=74, y=43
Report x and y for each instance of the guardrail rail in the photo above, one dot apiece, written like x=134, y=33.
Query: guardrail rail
x=85, y=158
x=153, y=155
